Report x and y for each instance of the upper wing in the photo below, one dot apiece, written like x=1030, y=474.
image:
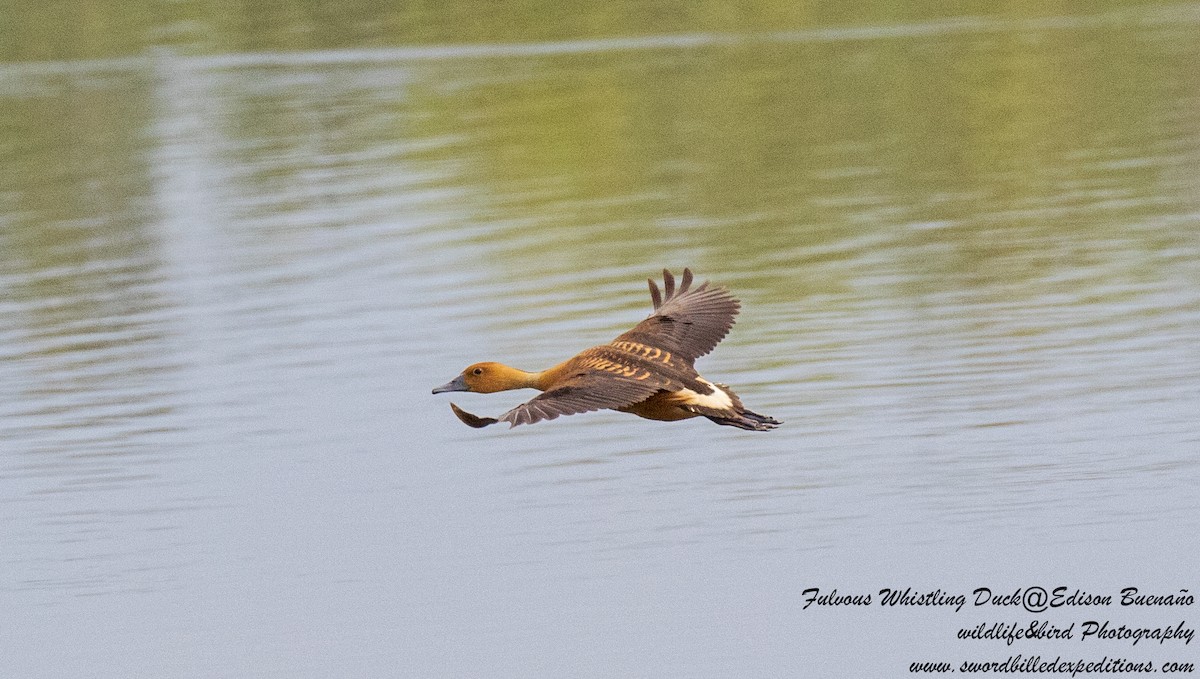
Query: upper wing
x=582, y=392
x=689, y=322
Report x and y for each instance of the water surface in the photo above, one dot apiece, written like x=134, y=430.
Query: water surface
x=966, y=247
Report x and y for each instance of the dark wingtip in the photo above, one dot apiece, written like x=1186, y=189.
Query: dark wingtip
x=668, y=284
x=655, y=295
x=472, y=420
x=687, y=280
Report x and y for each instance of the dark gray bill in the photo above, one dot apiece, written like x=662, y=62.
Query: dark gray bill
x=456, y=384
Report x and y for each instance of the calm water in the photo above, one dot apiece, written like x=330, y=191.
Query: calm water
x=968, y=250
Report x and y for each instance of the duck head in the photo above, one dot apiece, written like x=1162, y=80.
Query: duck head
x=487, y=378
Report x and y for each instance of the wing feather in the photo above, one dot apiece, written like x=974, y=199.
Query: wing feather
x=688, y=322
x=581, y=393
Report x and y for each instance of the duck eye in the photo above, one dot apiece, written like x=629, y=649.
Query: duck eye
x=477, y=371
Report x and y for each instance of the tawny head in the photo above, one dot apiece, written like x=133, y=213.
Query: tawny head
x=486, y=378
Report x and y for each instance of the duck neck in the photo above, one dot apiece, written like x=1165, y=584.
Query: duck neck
x=515, y=378
x=545, y=379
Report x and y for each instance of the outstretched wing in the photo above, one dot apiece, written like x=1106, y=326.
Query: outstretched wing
x=688, y=322
x=581, y=393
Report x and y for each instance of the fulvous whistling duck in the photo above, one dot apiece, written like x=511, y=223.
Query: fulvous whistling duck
x=647, y=371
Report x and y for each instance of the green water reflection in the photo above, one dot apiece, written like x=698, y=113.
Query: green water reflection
x=86, y=30
x=773, y=154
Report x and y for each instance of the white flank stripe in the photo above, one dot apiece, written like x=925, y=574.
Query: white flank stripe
x=717, y=399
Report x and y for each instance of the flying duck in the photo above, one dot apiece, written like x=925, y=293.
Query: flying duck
x=647, y=371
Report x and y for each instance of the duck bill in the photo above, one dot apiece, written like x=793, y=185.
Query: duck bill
x=456, y=384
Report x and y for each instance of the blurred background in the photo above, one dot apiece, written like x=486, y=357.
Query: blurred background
x=240, y=243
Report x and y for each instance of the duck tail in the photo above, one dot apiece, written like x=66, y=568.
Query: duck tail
x=748, y=420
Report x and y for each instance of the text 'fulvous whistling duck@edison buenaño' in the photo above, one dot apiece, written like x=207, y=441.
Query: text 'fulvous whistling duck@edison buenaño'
x=647, y=371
